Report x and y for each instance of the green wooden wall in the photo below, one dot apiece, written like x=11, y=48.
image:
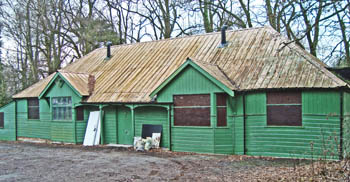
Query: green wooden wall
x=237, y=124
x=45, y=127
x=190, y=81
x=346, y=124
x=246, y=132
x=110, y=125
x=125, y=125
x=33, y=128
x=198, y=139
x=9, y=130
x=152, y=115
x=319, y=133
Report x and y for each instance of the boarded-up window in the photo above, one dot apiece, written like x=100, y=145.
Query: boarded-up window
x=221, y=109
x=284, y=109
x=2, y=120
x=192, y=110
x=79, y=111
x=33, y=109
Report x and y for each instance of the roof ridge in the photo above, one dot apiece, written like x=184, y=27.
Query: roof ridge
x=64, y=71
x=188, y=36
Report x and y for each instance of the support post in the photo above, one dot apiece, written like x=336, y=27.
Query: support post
x=132, y=108
x=101, y=123
x=74, y=125
x=169, y=127
x=213, y=116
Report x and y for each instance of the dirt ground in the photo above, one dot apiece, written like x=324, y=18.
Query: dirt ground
x=52, y=162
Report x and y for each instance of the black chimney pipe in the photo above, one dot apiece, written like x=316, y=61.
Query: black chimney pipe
x=109, y=49
x=223, y=35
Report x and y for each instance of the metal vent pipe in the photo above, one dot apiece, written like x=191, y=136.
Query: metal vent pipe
x=109, y=49
x=223, y=35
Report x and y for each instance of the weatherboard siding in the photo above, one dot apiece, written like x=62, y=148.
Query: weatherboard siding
x=80, y=131
x=110, y=125
x=9, y=130
x=33, y=128
x=62, y=131
x=190, y=81
x=192, y=139
x=319, y=132
x=152, y=115
x=196, y=138
x=237, y=124
x=346, y=123
x=224, y=136
x=45, y=127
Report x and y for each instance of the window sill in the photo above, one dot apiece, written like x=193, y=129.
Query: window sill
x=295, y=127
x=62, y=121
x=194, y=127
x=222, y=127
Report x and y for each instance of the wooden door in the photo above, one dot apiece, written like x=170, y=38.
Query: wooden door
x=124, y=131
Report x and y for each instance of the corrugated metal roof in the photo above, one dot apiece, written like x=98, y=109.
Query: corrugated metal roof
x=255, y=58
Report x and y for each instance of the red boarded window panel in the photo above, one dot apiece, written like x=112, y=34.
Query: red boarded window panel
x=192, y=100
x=284, y=109
x=33, y=108
x=79, y=111
x=2, y=120
x=221, y=109
x=284, y=98
x=192, y=110
x=192, y=116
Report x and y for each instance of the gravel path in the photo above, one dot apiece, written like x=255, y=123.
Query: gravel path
x=49, y=162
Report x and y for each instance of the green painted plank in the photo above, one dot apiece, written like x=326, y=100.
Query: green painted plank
x=189, y=81
x=155, y=116
x=9, y=131
x=321, y=125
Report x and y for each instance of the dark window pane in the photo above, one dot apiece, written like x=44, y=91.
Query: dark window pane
x=79, y=111
x=2, y=120
x=221, y=116
x=284, y=115
x=33, y=109
x=221, y=99
x=284, y=98
x=221, y=109
x=33, y=102
x=69, y=113
x=54, y=113
x=192, y=116
x=192, y=100
x=33, y=113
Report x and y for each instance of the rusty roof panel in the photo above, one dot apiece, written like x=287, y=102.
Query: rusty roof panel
x=255, y=58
